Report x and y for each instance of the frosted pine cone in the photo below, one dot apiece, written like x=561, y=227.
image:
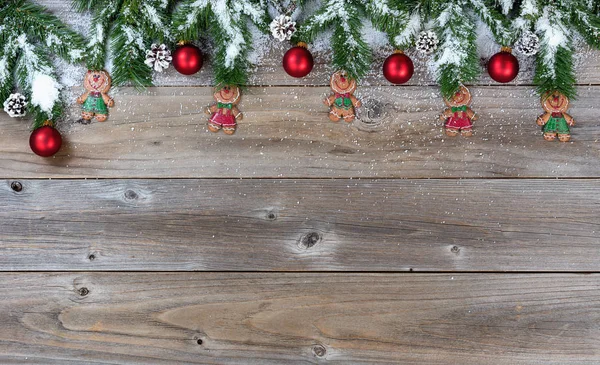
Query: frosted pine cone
x=528, y=44
x=16, y=105
x=427, y=42
x=158, y=57
x=283, y=28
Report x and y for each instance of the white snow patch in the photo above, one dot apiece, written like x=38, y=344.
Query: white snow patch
x=529, y=7
x=486, y=45
x=45, y=92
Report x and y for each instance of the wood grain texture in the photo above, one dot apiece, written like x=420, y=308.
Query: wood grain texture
x=286, y=134
x=303, y=225
x=269, y=70
x=299, y=220
x=257, y=318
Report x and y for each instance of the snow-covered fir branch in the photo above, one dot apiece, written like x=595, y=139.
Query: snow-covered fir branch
x=455, y=61
x=36, y=77
x=506, y=6
x=226, y=22
x=406, y=37
x=8, y=58
x=586, y=23
x=130, y=27
x=350, y=51
x=555, y=22
x=496, y=22
x=57, y=37
x=554, y=63
x=101, y=22
x=400, y=26
x=28, y=35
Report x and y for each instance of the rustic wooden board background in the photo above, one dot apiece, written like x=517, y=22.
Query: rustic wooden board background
x=149, y=240
x=301, y=225
x=278, y=318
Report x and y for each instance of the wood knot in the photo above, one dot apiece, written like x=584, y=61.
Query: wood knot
x=130, y=195
x=83, y=291
x=198, y=339
x=310, y=239
x=16, y=186
x=373, y=115
x=92, y=257
x=455, y=249
x=375, y=109
x=319, y=350
x=271, y=215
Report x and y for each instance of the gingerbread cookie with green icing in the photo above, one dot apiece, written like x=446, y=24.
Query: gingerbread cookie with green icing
x=95, y=101
x=342, y=103
x=555, y=121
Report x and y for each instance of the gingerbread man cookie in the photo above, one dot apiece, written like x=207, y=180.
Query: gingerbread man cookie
x=224, y=113
x=555, y=121
x=459, y=115
x=342, y=102
x=95, y=100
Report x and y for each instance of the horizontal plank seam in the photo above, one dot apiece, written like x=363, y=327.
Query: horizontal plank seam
x=365, y=178
x=405, y=272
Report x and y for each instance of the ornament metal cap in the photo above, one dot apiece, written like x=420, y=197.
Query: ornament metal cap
x=302, y=44
x=506, y=49
x=48, y=123
x=398, y=51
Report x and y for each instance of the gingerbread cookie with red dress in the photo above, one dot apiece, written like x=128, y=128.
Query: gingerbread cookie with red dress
x=459, y=116
x=224, y=114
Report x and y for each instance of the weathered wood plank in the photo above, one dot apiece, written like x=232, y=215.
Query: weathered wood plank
x=288, y=318
x=312, y=225
x=269, y=71
x=286, y=133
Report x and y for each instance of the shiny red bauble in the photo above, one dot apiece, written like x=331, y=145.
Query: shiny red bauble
x=298, y=61
x=503, y=67
x=187, y=59
x=45, y=141
x=398, y=68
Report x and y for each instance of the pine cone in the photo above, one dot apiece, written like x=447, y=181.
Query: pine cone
x=528, y=44
x=283, y=28
x=16, y=105
x=158, y=57
x=427, y=42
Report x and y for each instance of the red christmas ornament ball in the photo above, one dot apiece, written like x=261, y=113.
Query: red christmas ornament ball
x=503, y=67
x=187, y=59
x=398, y=68
x=45, y=141
x=298, y=61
